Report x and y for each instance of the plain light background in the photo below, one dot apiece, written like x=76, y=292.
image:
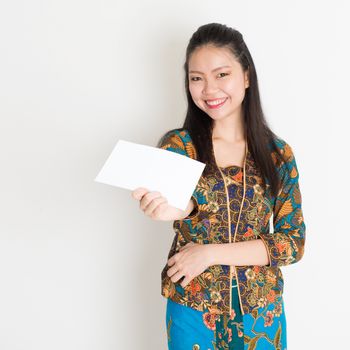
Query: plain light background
x=80, y=263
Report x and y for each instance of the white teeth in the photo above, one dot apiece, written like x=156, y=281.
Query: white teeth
x=216, y=102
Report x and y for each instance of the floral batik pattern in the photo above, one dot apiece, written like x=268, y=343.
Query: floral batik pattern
x=264, y=329
x=260, y=288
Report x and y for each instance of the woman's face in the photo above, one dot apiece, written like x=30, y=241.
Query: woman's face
x=215, y=75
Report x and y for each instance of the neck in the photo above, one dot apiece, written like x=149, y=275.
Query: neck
x=229, y=129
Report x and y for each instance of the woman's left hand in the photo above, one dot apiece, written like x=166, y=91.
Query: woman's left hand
x=191, y=260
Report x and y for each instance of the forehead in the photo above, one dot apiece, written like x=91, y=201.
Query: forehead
x=207, y=58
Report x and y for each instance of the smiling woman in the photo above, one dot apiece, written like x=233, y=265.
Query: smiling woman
x=224, y=85
x=222, y=279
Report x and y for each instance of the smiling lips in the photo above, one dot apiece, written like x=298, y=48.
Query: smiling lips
x=215, y=103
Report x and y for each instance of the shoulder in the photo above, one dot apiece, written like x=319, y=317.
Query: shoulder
x=173, y=135
x=286, y=163
x=178, y=140
x=172, y=138
x=284, y=148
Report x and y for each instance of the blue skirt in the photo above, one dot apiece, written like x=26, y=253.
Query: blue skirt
x=190, y=329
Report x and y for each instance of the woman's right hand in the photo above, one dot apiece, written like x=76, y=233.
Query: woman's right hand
x=154, y=205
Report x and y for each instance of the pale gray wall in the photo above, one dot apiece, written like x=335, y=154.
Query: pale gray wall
x=79, y=262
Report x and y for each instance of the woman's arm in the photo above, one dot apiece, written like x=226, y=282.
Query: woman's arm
x=282, y=247
x=252, y=252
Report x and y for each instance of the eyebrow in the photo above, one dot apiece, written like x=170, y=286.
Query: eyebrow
x=196, y=71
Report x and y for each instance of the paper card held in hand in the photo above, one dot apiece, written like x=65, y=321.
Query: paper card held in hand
x=132, y=165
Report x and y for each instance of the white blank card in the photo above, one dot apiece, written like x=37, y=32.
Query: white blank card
x=132, y=165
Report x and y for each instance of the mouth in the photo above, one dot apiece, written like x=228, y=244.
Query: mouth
x=212, y=104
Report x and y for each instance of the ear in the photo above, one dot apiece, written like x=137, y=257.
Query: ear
x=246, y=78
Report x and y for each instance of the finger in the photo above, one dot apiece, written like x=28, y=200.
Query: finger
x=154, y=205
x=171, y=261
x=139, y=192
x=177, y=276
x=186, y=281
x=172, y=271
x=147, y=198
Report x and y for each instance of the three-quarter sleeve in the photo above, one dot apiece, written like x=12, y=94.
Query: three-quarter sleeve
x=285, y=245
x=178, y=141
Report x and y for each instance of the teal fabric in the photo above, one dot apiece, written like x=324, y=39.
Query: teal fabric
x=190, y=329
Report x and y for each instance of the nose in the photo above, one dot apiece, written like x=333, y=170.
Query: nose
x=210, y=87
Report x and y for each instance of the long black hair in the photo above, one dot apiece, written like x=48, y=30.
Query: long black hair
x=258, y=134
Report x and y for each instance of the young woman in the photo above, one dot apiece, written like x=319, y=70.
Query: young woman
x=222, y=280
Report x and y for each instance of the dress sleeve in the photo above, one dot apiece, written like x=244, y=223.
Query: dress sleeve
x=178, y=141
x=285, y=245
x=172, y=141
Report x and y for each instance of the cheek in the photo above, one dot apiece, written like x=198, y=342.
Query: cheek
x=195, y=92
x=230, y=86
x=234, y=88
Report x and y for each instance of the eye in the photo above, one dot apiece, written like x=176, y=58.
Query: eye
x=196, y=78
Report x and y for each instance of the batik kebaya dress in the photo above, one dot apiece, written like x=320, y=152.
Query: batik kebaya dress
x=235, y=307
